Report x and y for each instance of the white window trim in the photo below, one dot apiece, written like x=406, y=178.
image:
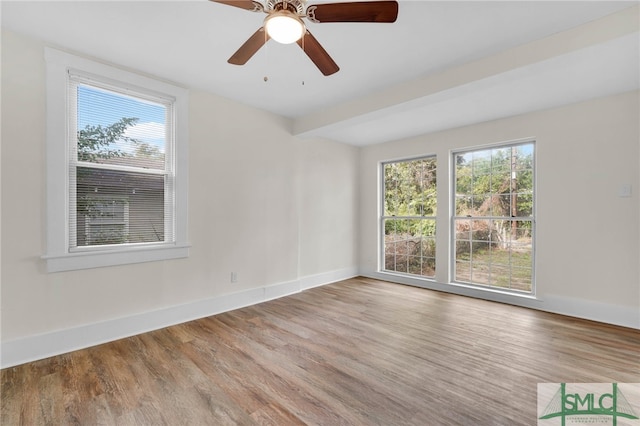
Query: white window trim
x=58, y=257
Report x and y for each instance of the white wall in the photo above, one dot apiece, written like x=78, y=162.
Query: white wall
x=588, y=237
x=254, y=197
x=328, y=206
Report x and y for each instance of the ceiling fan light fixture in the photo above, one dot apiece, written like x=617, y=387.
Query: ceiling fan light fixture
x=284, y=27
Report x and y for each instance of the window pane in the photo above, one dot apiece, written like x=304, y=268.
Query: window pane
x=428, y=248
x=390, y=185
x=409, y=188
x=463, y=250
x=523, y=232
x=524, y=181
x=415, y=265
x=500, y=160
x=501, y=275
x=411, y=247
x=481, y=162
x=521, y=257
x=480, y=273
x=463, y=205
x=463, y=229
x=429, y=267
x=391, y=229
x=390, y=259
x=463, y=271
x=523, y=157
x=120, y=130
x=500, y=182
x=524, y=204
x=501, y=205
x=521, y=279
x=115, y=207
x=481, y=183
x=480, y=230
x=401, y=263
x=481, y=205
x=480, y=251
x=501, y=232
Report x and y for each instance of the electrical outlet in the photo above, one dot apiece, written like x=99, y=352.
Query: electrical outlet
x=234, y=277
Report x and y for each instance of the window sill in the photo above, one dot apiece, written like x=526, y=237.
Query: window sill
x=98, y=259
x=470, y=290
x=495, y=290
x=405, y=275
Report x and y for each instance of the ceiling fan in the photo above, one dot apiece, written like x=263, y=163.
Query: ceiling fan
x=284, y=24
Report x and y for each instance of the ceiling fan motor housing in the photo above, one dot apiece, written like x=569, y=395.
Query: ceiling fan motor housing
x=294, y=6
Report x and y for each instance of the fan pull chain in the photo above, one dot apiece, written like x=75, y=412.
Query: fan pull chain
x=266, y=55
x=302, y=45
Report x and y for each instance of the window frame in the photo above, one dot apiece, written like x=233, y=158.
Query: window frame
x=382, y=218
x=59, y=256
x=453, y=217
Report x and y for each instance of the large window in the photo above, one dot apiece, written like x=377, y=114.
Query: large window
x=408, y=220
x=121, y=180
x=116, y=162
x=494, y=217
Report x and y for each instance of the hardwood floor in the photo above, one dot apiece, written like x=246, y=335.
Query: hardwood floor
x=358, y=352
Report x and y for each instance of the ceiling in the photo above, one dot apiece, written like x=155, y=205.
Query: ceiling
x=442, y=64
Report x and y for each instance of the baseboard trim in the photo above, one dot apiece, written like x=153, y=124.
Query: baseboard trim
x=625, y=316
x=311, y=281
x=33, y=348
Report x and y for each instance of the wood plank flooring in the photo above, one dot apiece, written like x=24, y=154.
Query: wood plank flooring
x=358, y=352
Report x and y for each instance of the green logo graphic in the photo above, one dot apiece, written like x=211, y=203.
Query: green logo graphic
x=565, y=404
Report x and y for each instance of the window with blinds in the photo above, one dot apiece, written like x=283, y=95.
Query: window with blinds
x=117, y=165
x=121, y=169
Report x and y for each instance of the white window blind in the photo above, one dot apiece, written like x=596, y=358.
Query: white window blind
x=121, y=177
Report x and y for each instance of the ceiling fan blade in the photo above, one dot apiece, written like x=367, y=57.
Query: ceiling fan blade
x=365, y=11
x=249, y=48
x=317, y=54
x=253, y=6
